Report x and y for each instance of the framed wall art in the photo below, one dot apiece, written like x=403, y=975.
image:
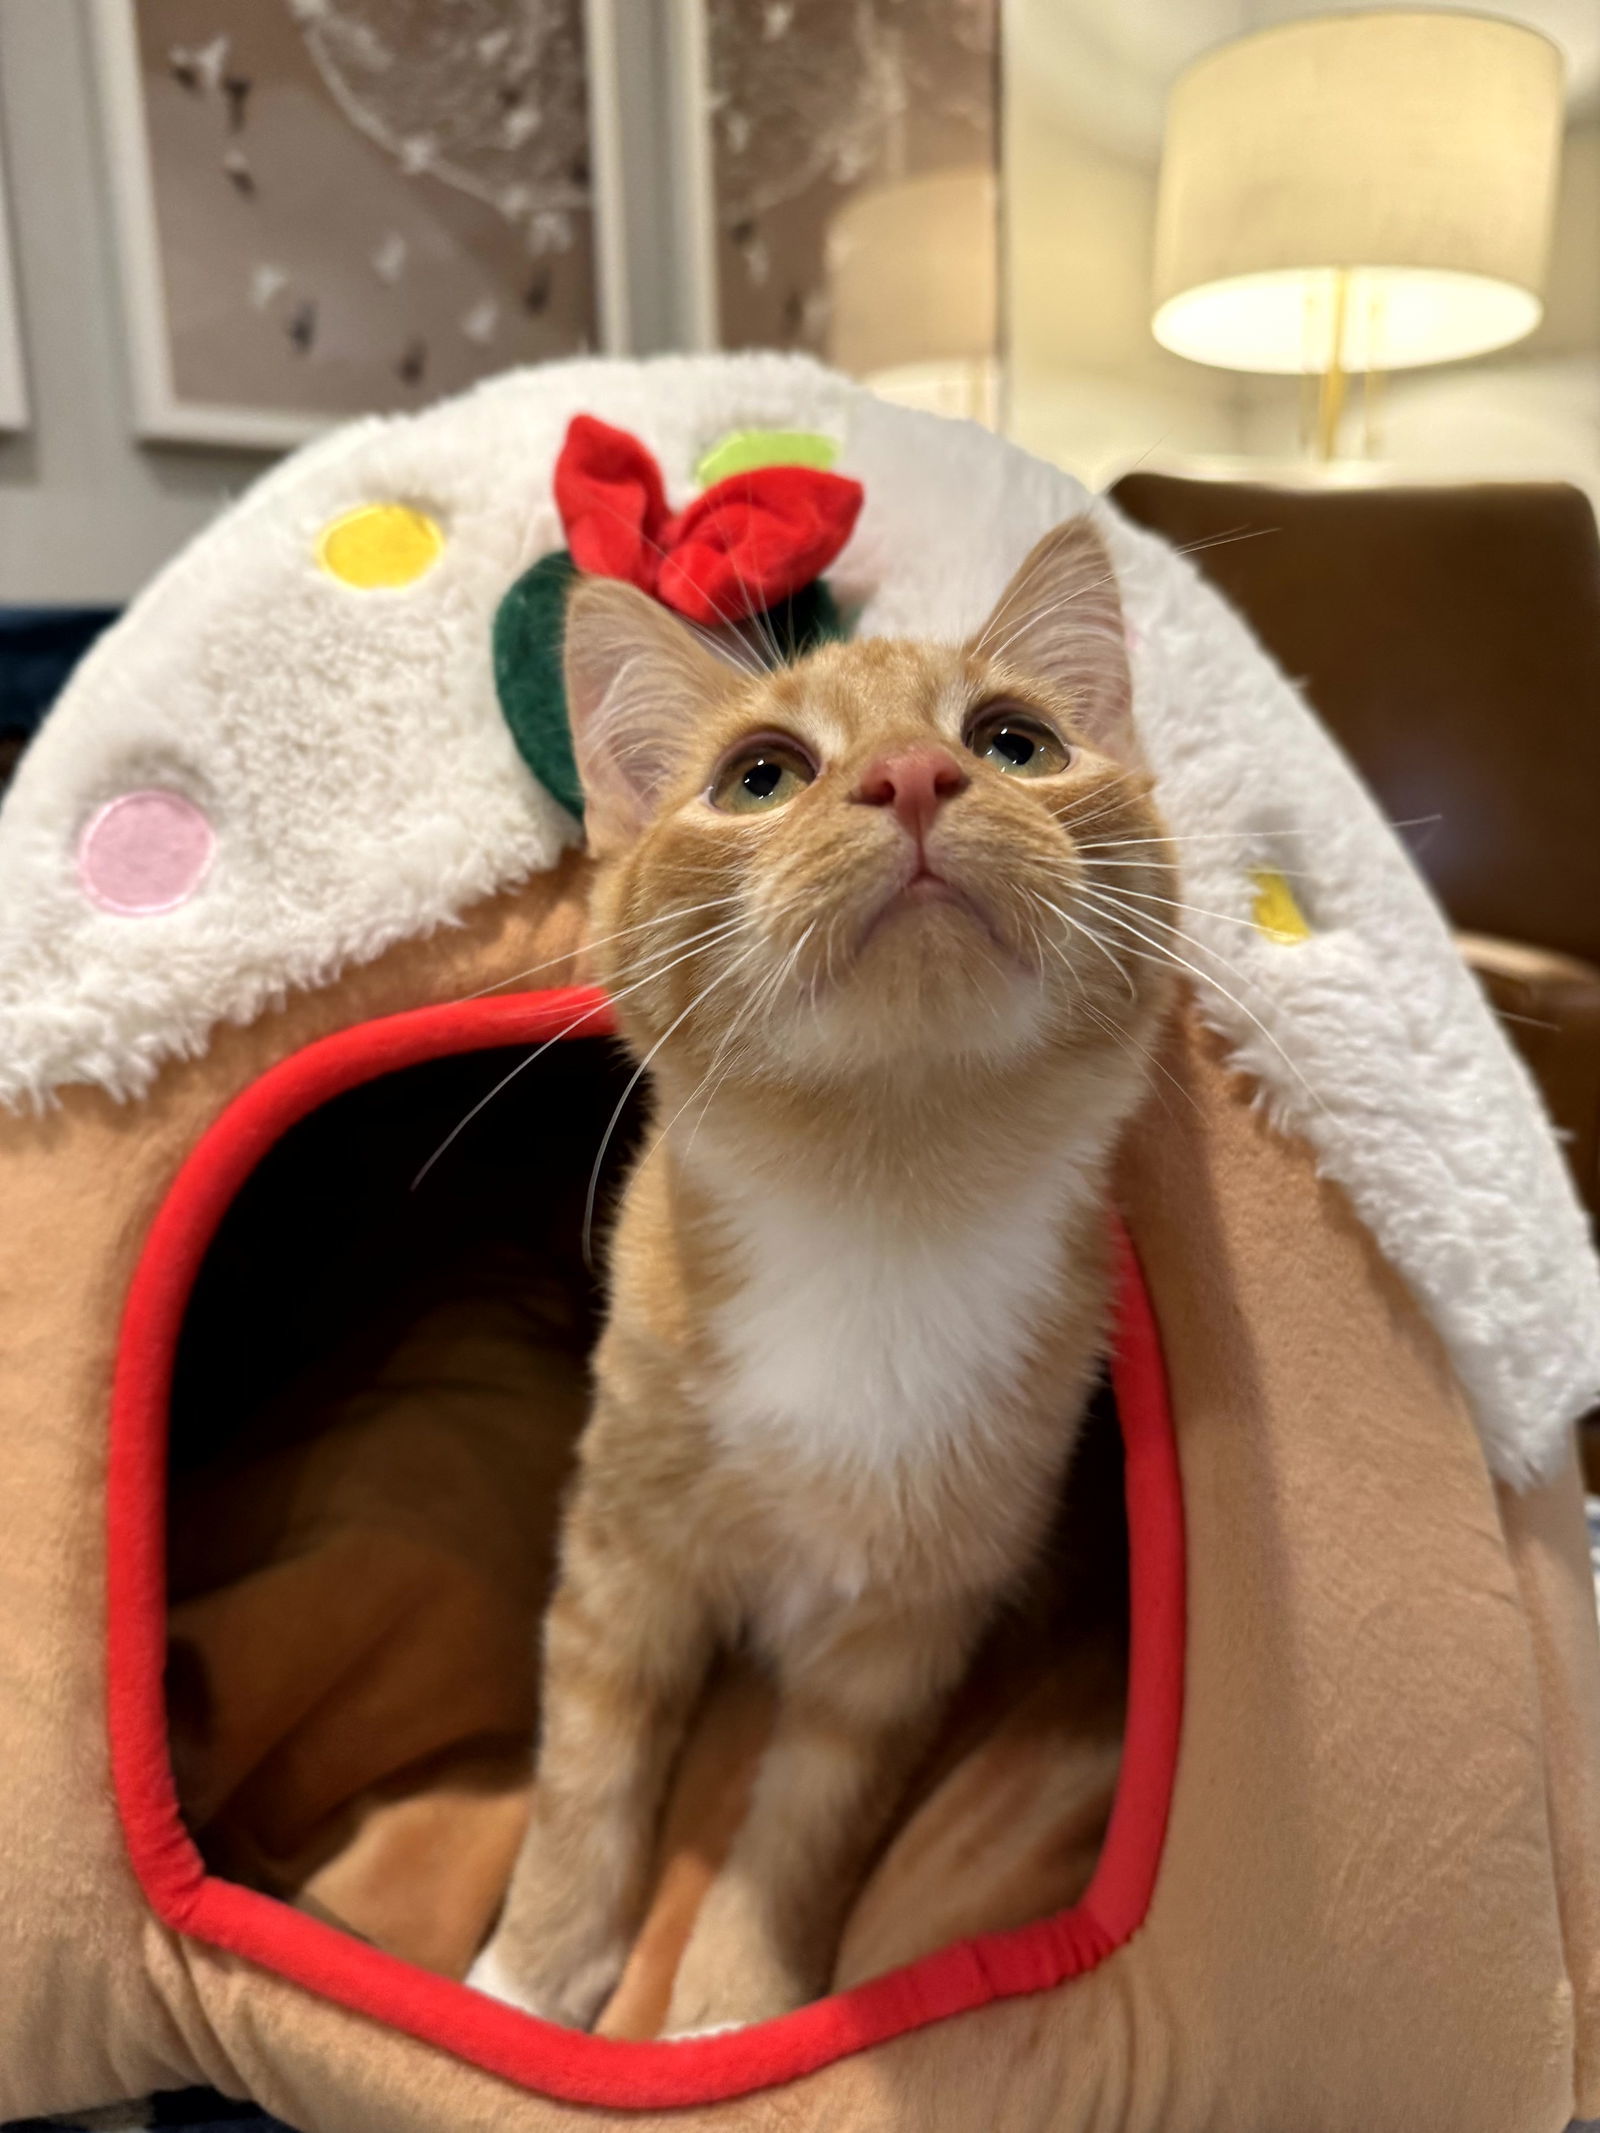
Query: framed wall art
x=14, y=412
x=329, y=207
x=839, y=161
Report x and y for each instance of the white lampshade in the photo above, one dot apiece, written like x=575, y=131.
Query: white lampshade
x=1368, y=190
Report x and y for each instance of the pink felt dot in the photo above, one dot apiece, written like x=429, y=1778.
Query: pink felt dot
x=145, y=851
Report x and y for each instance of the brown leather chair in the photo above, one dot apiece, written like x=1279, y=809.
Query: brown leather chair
x=1450, y=640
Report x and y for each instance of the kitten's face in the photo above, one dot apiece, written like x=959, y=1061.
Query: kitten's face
x=887, y=854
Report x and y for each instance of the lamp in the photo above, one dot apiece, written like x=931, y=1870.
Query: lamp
x=912, y=285
x=1358, y=192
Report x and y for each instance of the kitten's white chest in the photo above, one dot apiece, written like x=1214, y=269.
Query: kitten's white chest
x=861, y=1340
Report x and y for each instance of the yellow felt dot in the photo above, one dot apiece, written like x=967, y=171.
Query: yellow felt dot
x=379, y=544
x=1277, y=914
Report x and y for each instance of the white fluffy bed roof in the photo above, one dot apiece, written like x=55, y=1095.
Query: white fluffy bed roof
x=347, y=749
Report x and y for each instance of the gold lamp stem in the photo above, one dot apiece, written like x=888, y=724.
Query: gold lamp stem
x=1330, y=401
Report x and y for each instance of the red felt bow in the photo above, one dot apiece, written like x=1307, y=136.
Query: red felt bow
x=744, y=545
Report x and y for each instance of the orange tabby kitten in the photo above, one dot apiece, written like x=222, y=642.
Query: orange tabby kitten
x=848, y=910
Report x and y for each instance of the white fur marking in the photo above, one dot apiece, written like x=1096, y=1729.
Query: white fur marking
x=489, y=1975
x=863, y=1342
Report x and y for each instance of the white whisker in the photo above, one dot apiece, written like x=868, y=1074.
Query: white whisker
x=637, y=1075
x=1175, y=903
x=600, y=1007
x=1121, y=1037
x=1248, y=837
x=1161, y=949
x=604, y=940
x=1094, y=938
x=762, y=996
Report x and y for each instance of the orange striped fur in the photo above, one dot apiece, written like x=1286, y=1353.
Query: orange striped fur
x=858, y=1276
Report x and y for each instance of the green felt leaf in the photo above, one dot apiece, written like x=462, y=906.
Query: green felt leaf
x=744, y=450
x=528, y=629
x=528, y=626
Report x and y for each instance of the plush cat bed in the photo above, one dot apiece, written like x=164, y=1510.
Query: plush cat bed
x=279, y=832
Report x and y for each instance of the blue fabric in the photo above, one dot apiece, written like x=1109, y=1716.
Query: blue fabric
x=39, y=647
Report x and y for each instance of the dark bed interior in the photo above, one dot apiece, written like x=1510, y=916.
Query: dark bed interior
x=377, y=1394
x=331, y=1236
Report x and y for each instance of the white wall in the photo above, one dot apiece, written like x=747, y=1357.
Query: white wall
x=1088, y=386
x=86, y=514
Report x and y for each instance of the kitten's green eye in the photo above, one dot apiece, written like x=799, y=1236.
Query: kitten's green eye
x=1018, y=743
x=760, y=775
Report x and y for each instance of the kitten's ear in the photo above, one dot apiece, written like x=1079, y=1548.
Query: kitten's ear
x=637, y=685
x=1060, y=621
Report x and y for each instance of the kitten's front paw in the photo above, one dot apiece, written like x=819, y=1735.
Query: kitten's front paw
x=574, y=2005
x=731, y=1976
x=705, y=2010
x=490, y=1974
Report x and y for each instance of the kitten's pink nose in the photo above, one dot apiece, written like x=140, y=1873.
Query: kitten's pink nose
x=915, y=783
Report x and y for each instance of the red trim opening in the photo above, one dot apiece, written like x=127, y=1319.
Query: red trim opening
x=556, y=2062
